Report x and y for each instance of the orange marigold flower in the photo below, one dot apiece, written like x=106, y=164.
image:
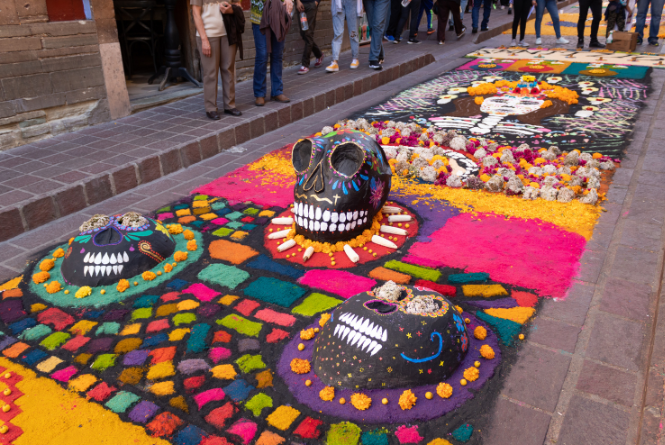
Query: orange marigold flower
x=188, y=234
x=360, y=401
x=180, y=256
x=300, y=366
x=148, y=275
x=480, y=333
x=487, y=352
x=324, y=319
x=174, y=229
x=444, y=390
x=307, y=334
x=327, y=394
x=122, y=286
x=471, y=374
x=47, y=264
x=168, y=268
x=59, y=253
x=53, y=287
x=407, y=400
x=191, y=245
x=41, y=277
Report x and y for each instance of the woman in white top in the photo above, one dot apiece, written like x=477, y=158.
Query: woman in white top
x=216, y=55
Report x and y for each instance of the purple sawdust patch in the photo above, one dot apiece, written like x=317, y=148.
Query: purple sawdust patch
x=391, y=413
x=143, y=412
x=500, y=303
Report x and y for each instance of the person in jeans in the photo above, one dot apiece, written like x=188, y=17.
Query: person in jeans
x=656, y=13
x=553, y=9
x=348, y=9
x=449, y=7
x=261, y=58
x=596, y=7
x=426, y=8
x=310, y=8
x=377, y=15
x=487, y=10
x=451, y=22
x=413, y=7
x=395, y=13
x=216, y=55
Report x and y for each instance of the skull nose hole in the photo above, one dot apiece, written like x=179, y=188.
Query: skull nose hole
x=107, y=237
x=381, y=307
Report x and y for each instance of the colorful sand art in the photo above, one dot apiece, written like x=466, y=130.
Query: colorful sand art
x=218, y=348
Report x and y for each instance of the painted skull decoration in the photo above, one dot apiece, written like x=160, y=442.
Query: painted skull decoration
x=109, y=248
x=343, y=180
x=408, y=336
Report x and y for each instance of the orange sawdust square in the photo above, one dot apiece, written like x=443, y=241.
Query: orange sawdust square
x=162, y=354
x=15, y=350
x=186, y=219
x=234, y=253
x=12, y=293
x=270, y=438
x=381, y=273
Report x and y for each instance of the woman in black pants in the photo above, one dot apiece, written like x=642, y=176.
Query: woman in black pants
x=597, y=11
x=414, y=8
x=522, y=8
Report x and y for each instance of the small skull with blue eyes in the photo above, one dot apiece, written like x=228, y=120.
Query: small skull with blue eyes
x=343, y=180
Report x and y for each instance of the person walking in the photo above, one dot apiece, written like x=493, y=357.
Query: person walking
x=656, y=13
x=395, y=14
x=522, y=8
x=553, y=9
x=426, y=8
x=216, y=55
x=449, y=7
x=451, y=22
x=596, y=7
x=377, y=15
x=615, y=14
x=410, y=10
x=340, y=10
x=269, y=43
x=310, y=8
x=487, y=10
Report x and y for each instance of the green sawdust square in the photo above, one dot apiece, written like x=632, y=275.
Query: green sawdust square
x=223, y=231
x=109, y=328
x=257, y=403
x=272, y=290
x=54, y=340
x=424, y=273
x=122, y=401
x=248, y=363
x=227, y=276
x=315, y=303
x=233, y=215
x=241, y=324
x=484, y=290
x=39, y=331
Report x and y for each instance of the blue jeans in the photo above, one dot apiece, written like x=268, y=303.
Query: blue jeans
x=553, y=9
x=462, y=5
x=426, y=6
x=348, y=11
x=261, y=64
x=487, y=10
x=377, y=15
x=656, y=12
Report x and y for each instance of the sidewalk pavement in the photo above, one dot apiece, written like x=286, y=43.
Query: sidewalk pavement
x=592, y=370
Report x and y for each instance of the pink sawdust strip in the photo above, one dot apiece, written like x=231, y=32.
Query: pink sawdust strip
x=211, y=395
x=261, y=187
x=64, y=374
x=219, y=354
x=344, y=284
x=201, y=291
x=408, y=434
x=275, y=317
x=244, y=428
x=163, y=216
x=527, y=253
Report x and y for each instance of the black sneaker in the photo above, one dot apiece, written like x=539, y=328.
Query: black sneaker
x=396, y=41
x=460, y=35
x=580, y=42
x=510, y=11
x=639, y=41
x=654, y=43
x=474, y=30
x=451, y=28
x=596, y=44
x=375, y=65
x=413, y=41
x=484, y=29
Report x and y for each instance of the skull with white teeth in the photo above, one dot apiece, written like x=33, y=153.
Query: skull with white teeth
x=343, y=180
x=109, y=248
x=375, y=340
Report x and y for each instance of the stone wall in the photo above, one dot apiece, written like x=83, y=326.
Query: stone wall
x=51, y=77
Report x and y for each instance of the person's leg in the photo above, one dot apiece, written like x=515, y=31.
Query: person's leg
x=414, y=7
x=463, y=4
x=430, y=18
x=474, y=14
x=338, y=34
x=276, y=57
x=621, y=21
x=597, y=13
x=526, y=7
x=553, y=9
x=395, y=13
x=611, y=21
x=228, y=68
x=311, y=12
x=656, y=14
x=307, y=38
x=402, y=21
x=260, y=62
x=642, y=8
x=421, y=11
x=457, y=21
x=209, y=70
x=377, y=11
x=581, y=21
x=540, y=11
x=517, y=17
x=443, y=15
x=352, y=25
x=487, y=10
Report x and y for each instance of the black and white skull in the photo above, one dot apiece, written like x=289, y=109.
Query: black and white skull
x=394, y=336
x=343, y=180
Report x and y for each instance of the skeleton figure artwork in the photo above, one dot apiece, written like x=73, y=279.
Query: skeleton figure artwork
x=109, y=248
x=342, y=181
x=380, y=324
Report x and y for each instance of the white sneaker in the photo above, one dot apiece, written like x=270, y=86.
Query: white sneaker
x=522, y=43
x=562, y=40
x=355, y=63
x=513, y=42
x=539, y=41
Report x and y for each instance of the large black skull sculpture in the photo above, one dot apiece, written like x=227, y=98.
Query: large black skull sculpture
x=109, y=248
x=343, y=180
x=376, y=341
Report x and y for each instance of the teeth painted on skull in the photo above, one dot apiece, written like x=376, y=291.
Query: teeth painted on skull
x=342, y=181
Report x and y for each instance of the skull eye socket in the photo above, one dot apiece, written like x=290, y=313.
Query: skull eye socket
x=301, y=155
x=347, y=158
x=381, y=307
